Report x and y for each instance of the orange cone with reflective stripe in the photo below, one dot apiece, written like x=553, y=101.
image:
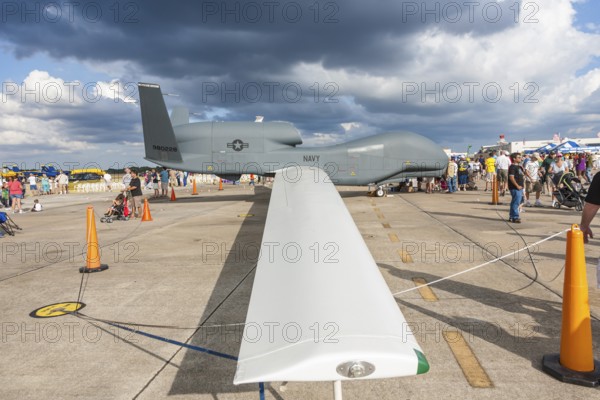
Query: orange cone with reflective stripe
x=575, y=363
x=146, y=213
x=173, y=198
x=194, y=189
x=220, y=184
x=93, y=250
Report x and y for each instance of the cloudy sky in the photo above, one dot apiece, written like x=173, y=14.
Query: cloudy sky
x=461, y=73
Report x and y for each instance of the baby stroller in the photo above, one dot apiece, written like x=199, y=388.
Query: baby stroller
x=569, y=193
x=119, y=211
x=7, y=224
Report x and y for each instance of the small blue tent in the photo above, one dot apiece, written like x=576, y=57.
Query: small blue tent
x=544, y=149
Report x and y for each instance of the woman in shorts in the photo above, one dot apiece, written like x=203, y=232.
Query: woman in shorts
x=15, y=189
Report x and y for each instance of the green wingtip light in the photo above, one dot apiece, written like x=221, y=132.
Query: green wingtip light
x=423, y=366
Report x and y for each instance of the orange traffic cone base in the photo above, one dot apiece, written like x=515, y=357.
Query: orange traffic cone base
x=575, y=364
x=102, y=267
x=551, y=365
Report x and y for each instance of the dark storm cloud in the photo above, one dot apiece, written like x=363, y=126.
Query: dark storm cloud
x=104, y=125
x=175, y=39
x=191, y=46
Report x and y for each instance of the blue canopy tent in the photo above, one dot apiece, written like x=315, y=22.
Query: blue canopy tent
x=568, y=147
x=586, y=149
x=544, y=149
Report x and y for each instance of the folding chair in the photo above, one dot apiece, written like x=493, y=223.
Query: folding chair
x=7, y=224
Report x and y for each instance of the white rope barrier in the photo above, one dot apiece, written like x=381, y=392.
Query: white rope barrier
x=482, y=265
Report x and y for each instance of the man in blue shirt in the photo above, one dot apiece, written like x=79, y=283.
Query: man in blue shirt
x=164, y=182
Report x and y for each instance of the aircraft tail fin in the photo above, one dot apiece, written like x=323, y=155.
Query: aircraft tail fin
x=159, y=138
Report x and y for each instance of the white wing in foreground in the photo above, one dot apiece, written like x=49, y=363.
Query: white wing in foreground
x=320, y=309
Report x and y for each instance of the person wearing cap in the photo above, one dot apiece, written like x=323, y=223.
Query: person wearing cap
x=451, y=175
x=532, y=181
x=463, y=173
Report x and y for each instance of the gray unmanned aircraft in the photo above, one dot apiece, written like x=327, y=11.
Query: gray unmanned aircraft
x=317, y=290
x=230, y=149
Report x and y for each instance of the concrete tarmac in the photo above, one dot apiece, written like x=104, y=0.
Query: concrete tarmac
x=166, y=319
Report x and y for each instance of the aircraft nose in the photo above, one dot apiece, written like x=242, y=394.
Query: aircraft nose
x=434, y=156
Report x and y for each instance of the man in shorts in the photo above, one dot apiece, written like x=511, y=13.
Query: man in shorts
x=164, y=182
x=490, y=170
x=463, y=173
x=63, y=183
x=135, y=188
x=33, y=185
x=532, y=181
x=502, y=164
x=547, y=175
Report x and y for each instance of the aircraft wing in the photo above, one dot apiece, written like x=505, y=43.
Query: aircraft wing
x=320, y=309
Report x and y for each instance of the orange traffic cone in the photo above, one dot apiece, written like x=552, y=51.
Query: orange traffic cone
x=93, y=250
x=146, y=213
x=194, y=189
x=173, y=198
x=575, y=363
x=220, y=184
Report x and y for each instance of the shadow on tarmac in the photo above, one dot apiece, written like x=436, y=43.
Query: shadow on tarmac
x=247, y=196
x=530, y=340
x=228, y=304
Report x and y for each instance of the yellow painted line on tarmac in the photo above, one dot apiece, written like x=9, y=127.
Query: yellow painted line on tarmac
x=466, y=359
x=376, y=209
x=406, y=258
x=386, y=225
x=425, y=291
x=393, y=237
x=380, y=215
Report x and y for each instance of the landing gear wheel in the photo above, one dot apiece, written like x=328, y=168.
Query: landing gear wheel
x=379, y=192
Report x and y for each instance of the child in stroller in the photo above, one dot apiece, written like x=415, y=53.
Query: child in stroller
x=569, y=191
x=118, y=210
